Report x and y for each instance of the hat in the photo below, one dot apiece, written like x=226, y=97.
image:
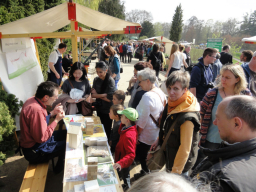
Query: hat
x=130, y=113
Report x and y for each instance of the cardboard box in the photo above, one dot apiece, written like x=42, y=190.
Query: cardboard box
x=75, y=134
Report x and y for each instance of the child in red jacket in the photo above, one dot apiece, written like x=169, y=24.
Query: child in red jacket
x=125, y=148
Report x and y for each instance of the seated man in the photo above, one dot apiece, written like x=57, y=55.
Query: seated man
x=38, y=140
x=232, y=166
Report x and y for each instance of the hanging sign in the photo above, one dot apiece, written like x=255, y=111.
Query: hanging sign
x=13, y=44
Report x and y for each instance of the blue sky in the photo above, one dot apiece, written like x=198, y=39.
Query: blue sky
x=163, y=10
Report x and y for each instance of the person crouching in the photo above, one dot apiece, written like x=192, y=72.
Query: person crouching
x=125, y=148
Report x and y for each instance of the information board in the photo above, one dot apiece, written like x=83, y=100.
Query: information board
x=215, y=43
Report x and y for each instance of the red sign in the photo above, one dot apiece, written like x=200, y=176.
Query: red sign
x=72, y=11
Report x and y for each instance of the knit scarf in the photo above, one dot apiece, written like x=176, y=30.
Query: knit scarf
x=173, y=104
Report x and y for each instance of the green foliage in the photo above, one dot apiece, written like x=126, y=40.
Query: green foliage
x=147, y=29
x=92, y=4
x=176, y=28
x=195, y=54
x=143, y=37
x=248, y=26
x=158, y=29
x=7, y=129
x=113, y=8
x=2, y=158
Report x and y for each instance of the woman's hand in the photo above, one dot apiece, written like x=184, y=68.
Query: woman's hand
x=73, y=101
x=93, y=91
x=154, y=145
x=166, y=74
x=82, y=99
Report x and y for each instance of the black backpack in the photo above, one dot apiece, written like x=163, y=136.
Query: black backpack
x=158, y=61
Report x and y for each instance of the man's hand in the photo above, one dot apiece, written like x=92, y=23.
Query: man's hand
x=60, y=116
x=117, y=166
x=57, y=109
x=154, y=145
x=57, y=75
x=110, y=143
x=166, y=74
x=65, y=73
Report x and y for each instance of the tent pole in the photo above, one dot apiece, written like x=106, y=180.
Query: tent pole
x=81, y=40
x=37, y=55
x=74, y=42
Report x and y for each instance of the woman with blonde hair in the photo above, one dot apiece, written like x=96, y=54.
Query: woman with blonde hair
x=176, y=59
x=232, y=81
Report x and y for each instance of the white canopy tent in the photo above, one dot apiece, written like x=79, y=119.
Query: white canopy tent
x=57, y=17
x=44, y=25
x=160, y=39
x=250, y=40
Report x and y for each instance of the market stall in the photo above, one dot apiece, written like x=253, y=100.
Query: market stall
x=90, y=164
x=162, y=40
x=250, y=40
x=18, y=42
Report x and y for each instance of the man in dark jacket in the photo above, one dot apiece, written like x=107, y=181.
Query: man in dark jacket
x=250, y=74
x=232, y=166
x=201, y=74
x=225, y=57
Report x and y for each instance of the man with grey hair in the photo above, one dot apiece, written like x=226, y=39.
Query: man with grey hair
x=233, y=164
x=250, y=74
x=149, y=109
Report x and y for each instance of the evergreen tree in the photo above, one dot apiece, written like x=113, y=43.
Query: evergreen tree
x=113, y=8
x=147, y=29
x=176, y=28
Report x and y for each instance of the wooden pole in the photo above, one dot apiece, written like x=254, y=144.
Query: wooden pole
x=80, y=49
x=37, y=54
x=74, y=42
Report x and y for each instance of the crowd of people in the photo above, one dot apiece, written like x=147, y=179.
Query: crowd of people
x=205, y=123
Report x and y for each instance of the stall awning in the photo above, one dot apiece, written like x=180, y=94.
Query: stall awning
x=250, y=40
x=57, y=17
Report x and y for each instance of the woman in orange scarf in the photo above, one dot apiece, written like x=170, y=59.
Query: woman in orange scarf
x=182, y=145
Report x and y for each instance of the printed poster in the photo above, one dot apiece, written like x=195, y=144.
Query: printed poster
x=106, y=175
x=20, y=61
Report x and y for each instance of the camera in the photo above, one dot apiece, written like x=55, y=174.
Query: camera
x=210, y=85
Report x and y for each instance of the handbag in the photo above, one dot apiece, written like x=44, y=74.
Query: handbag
x=87, y=109
x=156, y=159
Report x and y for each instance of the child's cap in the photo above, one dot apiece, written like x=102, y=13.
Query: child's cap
x=130, y=113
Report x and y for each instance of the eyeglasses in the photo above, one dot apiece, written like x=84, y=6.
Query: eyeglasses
x=213, y=56
x=142, y=80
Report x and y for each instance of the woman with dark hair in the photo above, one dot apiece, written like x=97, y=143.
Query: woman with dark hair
x=103, y=89
x=140, y=51
x=114, y=64
x=156, y=59
x=77, y=79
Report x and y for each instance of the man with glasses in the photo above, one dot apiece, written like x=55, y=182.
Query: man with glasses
x=38, y=140
x=201, y=74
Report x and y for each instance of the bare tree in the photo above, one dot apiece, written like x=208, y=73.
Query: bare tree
x=139, y=16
